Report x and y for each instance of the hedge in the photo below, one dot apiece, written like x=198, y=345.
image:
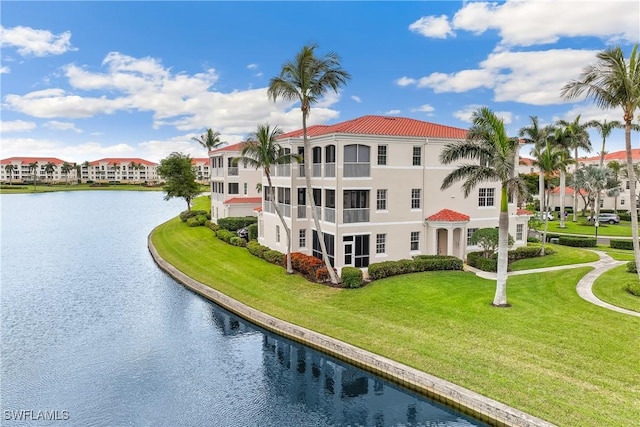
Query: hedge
x=225, y=235
x=185, y=215
x=578, y=242
x=274, y=257
x=621, y=244
x=631, y=267
x=253, y=231
x=256, y=249
x=306, y=264
x=212, y=225
x=236, y=223
x=194, y=222
x=477, y=260
x=238, y=241
x=351, y=277
x=380, y=270
x=626, y=216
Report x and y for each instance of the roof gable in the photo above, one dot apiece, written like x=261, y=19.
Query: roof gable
x=447, y=215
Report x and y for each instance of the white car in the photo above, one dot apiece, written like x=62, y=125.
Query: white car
x=541, y=216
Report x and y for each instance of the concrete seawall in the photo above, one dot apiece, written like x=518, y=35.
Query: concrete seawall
x=466, y=401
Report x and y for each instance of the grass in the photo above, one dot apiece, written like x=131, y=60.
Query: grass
x=551, y=354
x=581, y=227
x=617, y=254
x=610, y=287
x=564, y=255
x=42, y=188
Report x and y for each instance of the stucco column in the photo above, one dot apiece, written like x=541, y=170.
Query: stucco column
x=449, y=240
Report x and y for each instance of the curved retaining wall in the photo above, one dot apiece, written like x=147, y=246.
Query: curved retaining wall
x=463, y=400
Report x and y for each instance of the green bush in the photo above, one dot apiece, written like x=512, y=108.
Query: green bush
x=185, y=215
x=533, y=240
x=225, y=235
x=420, y=263
x=631, y=267
x=212, y=225
x=256, y=249
x=621, y=244
x=193, y=222
x=552, y=236
x=524, y=252
x=633, y=288
x=274, y=257
x=626, y=216
x=477, y=260
x=252, y=229
x=578, y=242
x=236, y=223
x=351, y=277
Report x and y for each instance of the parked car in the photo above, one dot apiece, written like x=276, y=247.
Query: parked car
x=609, y=218
x=541, y=216
x=243, y=233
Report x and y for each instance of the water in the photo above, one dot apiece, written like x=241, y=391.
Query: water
x=95, y=334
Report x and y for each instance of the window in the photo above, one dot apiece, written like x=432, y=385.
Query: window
x=601, y=203
x=621, y=202
x=381, y=200
x=245, y=188
x=470, y=232
x=361, y=255
x=381, y=243
x=382, y=154
x=415, y=198
x=277, y=234
x=417, y=156
x=233, y=188
x=330, y=154
x=302, y=238
x=356, y=160
x=486, y=196
x=329, y=243
x=519, y=231
x=627, y=185
x=415, y=240
x=284, y=195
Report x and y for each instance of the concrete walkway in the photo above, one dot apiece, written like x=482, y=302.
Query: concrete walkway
x=604, y=264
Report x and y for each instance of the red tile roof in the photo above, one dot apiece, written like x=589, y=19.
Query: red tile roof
x=523, y=212
x=195, y=160
x=526, y=161
x=232, y=147
x=616, y=155
x=383, y=125
x=122, y=161
x=243, y=200
x=568, y=191
x=26, y=160
x=258, y=209
x=447, y=215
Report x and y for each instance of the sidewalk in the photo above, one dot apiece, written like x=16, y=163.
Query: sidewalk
x=604, y=264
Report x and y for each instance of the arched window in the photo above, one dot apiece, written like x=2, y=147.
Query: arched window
x=357, y=160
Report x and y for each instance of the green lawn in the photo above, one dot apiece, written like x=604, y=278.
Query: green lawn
x=617, y=254
x=610, y=287
x=551, y=354
x=20, y=189
x=564, y=255
x=581, y=227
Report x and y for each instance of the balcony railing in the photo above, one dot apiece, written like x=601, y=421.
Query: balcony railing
x=355, y=215
x=330, y=170
x=301, y=173
x=302, y=211
x=269, y=207
x=318, y=210
x=330, y=215
x=283, y=170
x=285, y=210
x=357, y=170
x=316, y=169
x=232, y=171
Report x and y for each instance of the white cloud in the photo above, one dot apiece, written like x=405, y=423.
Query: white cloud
x=465, y=114
x=56, y=125
x=392, y=112
x=426, y=108
x=16, y=126
x=433, y=26
x=357, y=99
x=405, y=81
x=34, y=42
x=78, y=153
x=5, y=70
x=252, y=66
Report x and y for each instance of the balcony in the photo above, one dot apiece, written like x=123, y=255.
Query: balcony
x=330, y=215
x=283, y=170
x=357, y=170
x=285, y=210
x=355, y=215
x=316, y=170
x=269, y=207
x=232, y=171
x=302, y=211
x=301, y=173
x=330, y=170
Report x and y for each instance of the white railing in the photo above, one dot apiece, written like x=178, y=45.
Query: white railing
x=301, y=173
x=285, y=210
x=232, y=171
x=357, y=170
x=330, y=170
x=318, y=210
x=330, y=215
x=355, y=215
x=316, y=170
x=283, y=170
x=268, y=207
x=302, y=211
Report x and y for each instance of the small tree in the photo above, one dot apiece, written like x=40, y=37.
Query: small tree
x=487, y=239
x=33, y=168
x=10, y=168
x=180, y=179
x=66, y=168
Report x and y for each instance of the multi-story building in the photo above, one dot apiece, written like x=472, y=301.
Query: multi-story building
x=124, y=170
x=21, y=171
x=376, y=186
x=235, y=187
x=201, y=166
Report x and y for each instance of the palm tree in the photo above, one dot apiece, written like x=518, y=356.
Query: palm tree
x=616, y=170
x=550, y=158
x=49, y=169
x=575, y=136
x=9, y=169
x=33, y=167
x=306, y=79
x=536, y=135
x=561, y=138
x=66, y=168
x=494, y=155
x=604, y=128
x=78, y=169
x=613, y=82
x=209, y=139
x=262, y=151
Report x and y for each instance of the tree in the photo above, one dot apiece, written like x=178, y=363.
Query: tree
x=49, y=169
x=9, y=169
x=487, y=239
x=306, y=79
x=33, y=168
x=262, y=151
x=604, y=128
x=180, y=179
x=66, y=168
x=594, y=179
x=209, y=139
x=536, y=135
x=495, y=159
x=78, y=169
x=614, y=82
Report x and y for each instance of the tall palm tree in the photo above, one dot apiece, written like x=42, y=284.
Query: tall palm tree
x=262, y=151
x=537, y=135
x=49, y=169
x=306, y=79
x=66, y=168
x=33, y=167
x=575, y=137
x=9, y=169
x=616, y=170
x=604, y=128
x=78, y=169
x=494, y=156
x=561, y=138
x=209, y=139
x=614, y=82
x=550, y=159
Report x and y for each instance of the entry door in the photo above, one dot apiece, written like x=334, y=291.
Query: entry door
x=348, y=254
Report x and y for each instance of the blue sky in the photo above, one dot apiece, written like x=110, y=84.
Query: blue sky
x=86, y=80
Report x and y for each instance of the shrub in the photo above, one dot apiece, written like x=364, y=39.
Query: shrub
x=420, y=263
x=225, y=235
x=438, y=262
x=322, y=275
x=185, y=215
x=578, y=242
x=238, y=241
x=631, y=267
x=633, y=288
x=193, y=222
x=533, y=240
x=621, y=244
x=212, y=225
x=552, y=236
x=274, y=257
x=524, y=252
x=306, y=264
x=477, y=260
x=236, y=223
x=626, y=216
x=487, y=239
x=351, y=277
x=252, y=229
x=256, y=249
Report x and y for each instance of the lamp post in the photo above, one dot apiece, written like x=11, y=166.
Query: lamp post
x=597, y=224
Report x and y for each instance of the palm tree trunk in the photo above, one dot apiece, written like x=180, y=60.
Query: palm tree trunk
x=575, y=193
x=284, y=224
x=544, y=232
x=500, y=298
x=632, y=188
x=541, y=191
x=563, y=186
x=311, y=202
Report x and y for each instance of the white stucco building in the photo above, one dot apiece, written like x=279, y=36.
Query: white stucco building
x=22, y=173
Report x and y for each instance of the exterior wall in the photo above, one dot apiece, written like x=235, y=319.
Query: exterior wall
x=106, y=170
x=202, y=166
x=21, y=171
x=398, y=177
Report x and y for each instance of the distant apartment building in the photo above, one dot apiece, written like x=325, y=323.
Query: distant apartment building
x=201, y=166
x=235, y=188
x=376, y=186
x=21, y=172
x=120, y=169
